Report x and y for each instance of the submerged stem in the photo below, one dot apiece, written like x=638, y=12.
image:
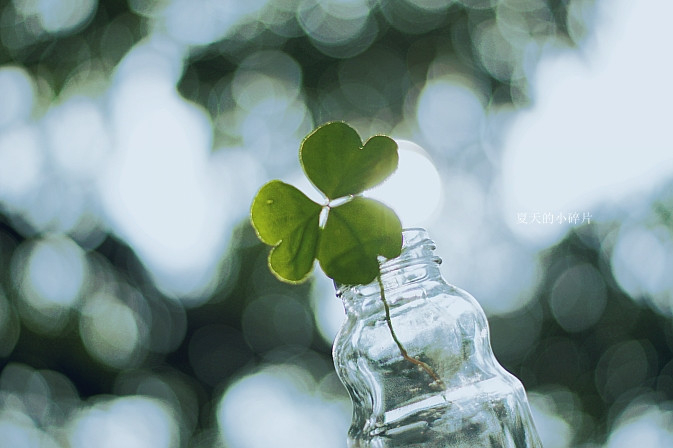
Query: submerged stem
x=403, y=351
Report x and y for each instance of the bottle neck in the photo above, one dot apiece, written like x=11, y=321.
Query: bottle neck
x=416, y=263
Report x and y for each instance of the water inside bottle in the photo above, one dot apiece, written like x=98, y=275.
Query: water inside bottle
x=478, y=415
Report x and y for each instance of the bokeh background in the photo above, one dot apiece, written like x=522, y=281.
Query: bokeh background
x=136, y=307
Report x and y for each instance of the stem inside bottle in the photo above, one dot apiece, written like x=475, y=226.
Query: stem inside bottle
x=437, y=380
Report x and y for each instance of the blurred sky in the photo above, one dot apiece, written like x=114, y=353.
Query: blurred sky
x=119, y=150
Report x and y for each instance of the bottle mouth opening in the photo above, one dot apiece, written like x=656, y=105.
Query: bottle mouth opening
x=417, y=247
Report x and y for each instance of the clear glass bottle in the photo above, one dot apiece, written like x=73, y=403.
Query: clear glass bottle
x=449, y=390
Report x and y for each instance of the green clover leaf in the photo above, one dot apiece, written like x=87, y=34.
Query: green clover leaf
x=288, y=220
x=337, y=163
x=356, y=232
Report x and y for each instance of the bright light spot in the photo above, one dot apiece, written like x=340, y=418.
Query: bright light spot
x=498, y=55
x=19, y=431
x=55, y=273
x=520, y=23
x=642, y=262
x=272, y=115
x=28, y=399
x=328, y=310
x=646, y=427
x=471, y=246
x=204, y=21
x=110, y=330
x=49, y=275
x=252, y=90
x=333, y=22
x=157, y=188
x=279, y=407
x=599, y=127
x=553, y=430
x=511, y=274
x=58, y=15
x=580, y=18
x=272, y=135
x=78, y=136
x=57, y=204
x=157, y=59
x=236, y=176
x=464, y=211
x=449, y=115
x=267, y=78
x=18, y=94
x=128, y=422
x=414, y=191
x=21, y=163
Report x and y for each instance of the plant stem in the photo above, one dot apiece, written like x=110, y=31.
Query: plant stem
x=403, y=351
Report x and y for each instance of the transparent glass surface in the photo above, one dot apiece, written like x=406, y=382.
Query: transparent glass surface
x=450, y=390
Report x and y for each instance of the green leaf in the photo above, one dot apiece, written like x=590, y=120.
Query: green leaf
x=286, y=218
x=292, y=259
x=355, y=234
x=335, y=161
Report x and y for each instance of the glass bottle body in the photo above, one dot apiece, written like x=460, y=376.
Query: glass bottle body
x=449, y=391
